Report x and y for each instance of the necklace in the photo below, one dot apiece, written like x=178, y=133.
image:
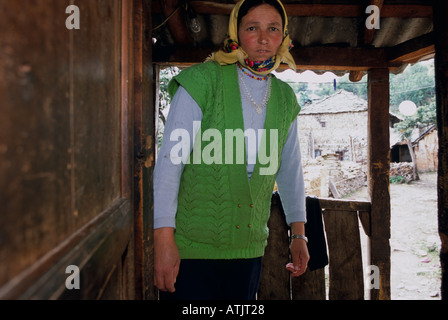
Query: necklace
x=250, y=99
x=256, y=77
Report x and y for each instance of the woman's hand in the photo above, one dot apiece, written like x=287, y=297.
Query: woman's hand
x=300, y=257
x=166, y=259
x=299, y=251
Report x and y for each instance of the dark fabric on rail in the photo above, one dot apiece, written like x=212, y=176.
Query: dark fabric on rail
x=314, y=230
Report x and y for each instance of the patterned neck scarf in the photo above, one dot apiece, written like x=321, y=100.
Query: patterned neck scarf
x=232, y=52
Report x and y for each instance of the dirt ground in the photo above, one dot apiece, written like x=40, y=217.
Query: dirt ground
x=415, y=244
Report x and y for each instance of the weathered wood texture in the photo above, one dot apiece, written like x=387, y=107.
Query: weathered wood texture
x=34, y=186
x=314, y=58
x=345, y=258
x=319, y=10
x=309, y=286
x=274, y=283
x=441, y=67
x=378, y=178
x=358, y=60
x=144, y=150
x=346, y=281
x=64, y=133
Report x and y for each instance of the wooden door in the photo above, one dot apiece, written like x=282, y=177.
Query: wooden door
x=67, y=151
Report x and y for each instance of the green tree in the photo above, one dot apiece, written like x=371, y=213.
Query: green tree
x=359, y=88
x=424, y=117
x=301, y=91
x=415, y=83
x=164, y=99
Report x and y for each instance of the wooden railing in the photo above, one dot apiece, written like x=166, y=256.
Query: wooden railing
x=342, y=232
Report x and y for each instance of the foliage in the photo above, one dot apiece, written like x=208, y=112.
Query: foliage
x=302, y=92
x=164, y=99
x=424, y=117
x=358, y=88
x=416, y=83
x=396, y=179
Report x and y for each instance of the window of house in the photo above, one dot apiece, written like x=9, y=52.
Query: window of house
x=340, y=155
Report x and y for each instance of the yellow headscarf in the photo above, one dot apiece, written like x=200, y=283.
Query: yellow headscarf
x=232, y=52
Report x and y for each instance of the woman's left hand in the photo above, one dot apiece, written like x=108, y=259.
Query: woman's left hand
x=300, y=257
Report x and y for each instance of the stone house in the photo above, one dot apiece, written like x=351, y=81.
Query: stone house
x=333, y=139
x=426, y=150
x=425, y=145
x=335, y=125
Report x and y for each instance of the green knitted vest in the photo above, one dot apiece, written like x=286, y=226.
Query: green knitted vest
x=221, y=213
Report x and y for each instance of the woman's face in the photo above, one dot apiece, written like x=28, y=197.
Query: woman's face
x=260, y=32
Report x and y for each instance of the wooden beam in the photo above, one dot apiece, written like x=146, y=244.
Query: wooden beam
x=412, y=50
x=441, y=67
x=352, y=11
x=358, y=60
x=337, y=58
x=365, y=36
x=369, y=34
x=316, y=10
x=406, y=11
x=378, y=178
x=306, y=58
x=356, y=76
x=344, y=205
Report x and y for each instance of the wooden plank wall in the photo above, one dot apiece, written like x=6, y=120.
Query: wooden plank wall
x=346, y=276
x=64, y=139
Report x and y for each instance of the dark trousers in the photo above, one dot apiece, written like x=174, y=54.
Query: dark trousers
x=234, y=279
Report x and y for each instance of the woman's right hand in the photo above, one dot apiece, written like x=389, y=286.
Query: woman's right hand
x=166, y=259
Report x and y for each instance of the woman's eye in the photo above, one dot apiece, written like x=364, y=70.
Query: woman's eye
x=274, y=29
x=251, y=29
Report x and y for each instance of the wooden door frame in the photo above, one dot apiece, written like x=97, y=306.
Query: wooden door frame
x=144, y=149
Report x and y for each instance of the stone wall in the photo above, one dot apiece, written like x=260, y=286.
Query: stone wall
x=328, y=133
x=347, y=176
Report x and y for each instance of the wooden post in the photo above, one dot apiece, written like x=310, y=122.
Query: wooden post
x=378, y=177
x=144, y=151
x=414, y=161
x=441, y=67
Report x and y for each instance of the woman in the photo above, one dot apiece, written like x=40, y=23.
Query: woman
x=211, y=208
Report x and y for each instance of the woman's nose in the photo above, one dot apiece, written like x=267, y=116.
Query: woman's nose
x=262, y=38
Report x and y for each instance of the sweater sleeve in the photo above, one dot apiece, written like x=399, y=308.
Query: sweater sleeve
x=290, y=181
x=167, y=173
